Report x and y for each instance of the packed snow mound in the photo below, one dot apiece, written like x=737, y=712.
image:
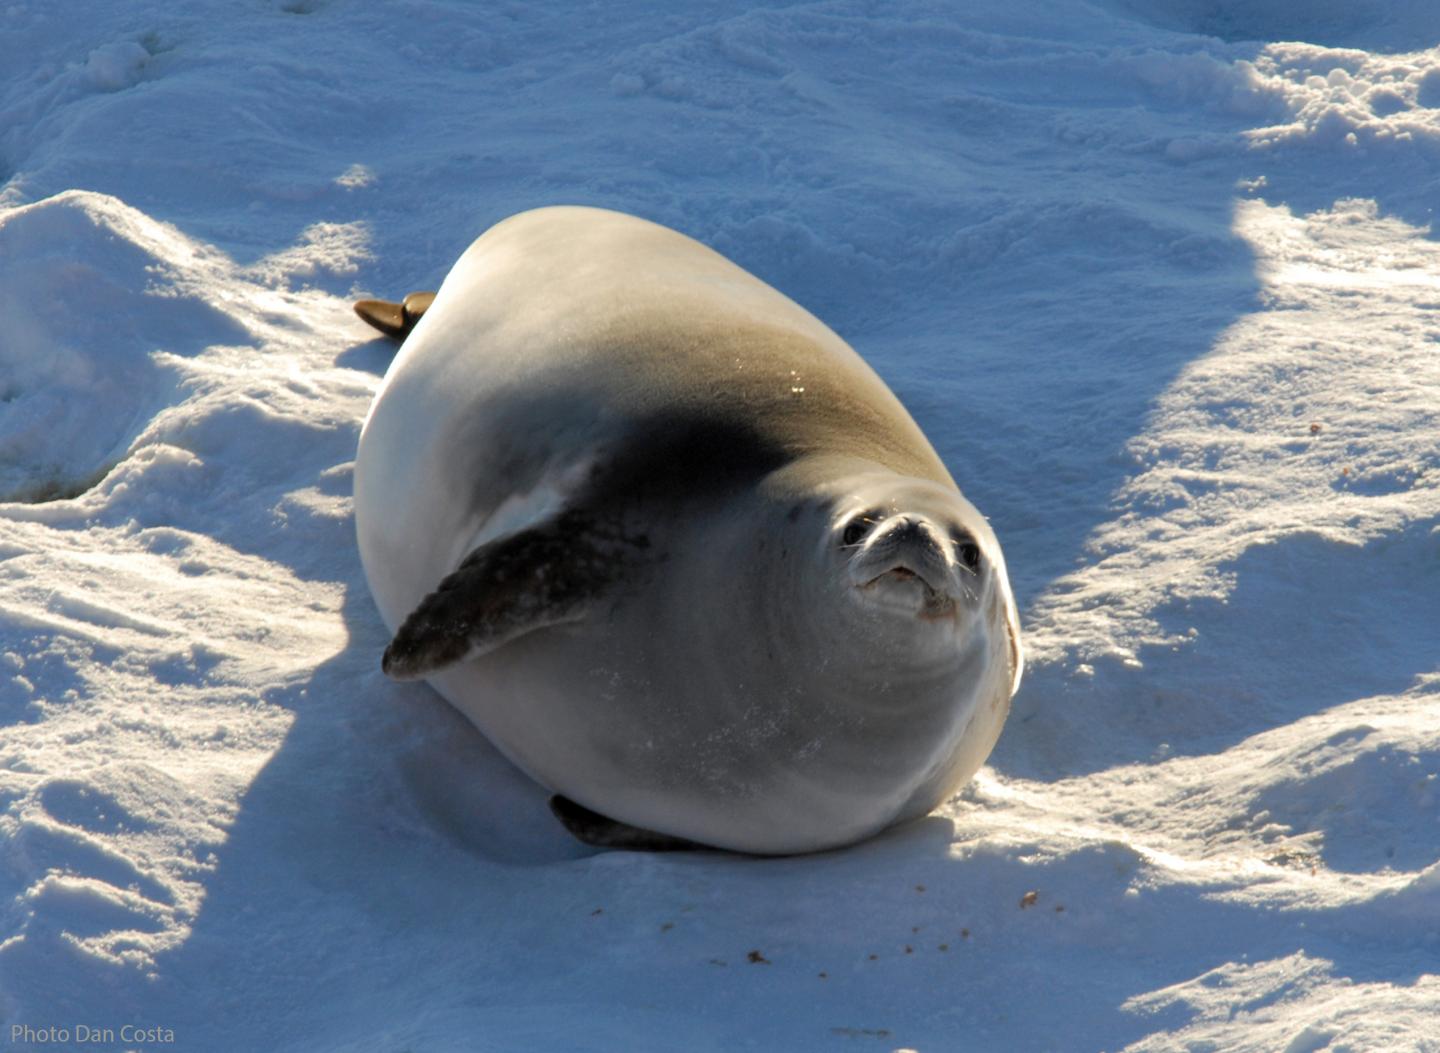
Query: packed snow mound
x=1345, y=102
x=96, y=298
x=112, y=317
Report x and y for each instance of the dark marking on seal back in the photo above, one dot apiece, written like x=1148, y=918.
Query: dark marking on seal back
x=511, y=586
x=604, y=832
x=679, y=456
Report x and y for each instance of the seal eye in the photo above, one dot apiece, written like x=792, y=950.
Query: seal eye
x=857, y=528
x=967, y=552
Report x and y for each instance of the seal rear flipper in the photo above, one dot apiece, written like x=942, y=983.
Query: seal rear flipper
x=603, y=832
x=511, y=586
x=395, y=319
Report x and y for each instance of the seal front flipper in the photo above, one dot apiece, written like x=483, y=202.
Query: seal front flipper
x=395, y=319
x=603, y=832
x=508, y=587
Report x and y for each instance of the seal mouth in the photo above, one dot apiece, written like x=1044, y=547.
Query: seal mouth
x=904, y=585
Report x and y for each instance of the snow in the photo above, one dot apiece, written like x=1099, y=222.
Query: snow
x=1160, y=282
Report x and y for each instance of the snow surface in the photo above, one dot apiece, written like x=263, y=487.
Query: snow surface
x=1159, y=279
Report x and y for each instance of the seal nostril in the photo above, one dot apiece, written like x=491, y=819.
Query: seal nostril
x=905, y=530
x=912, y=533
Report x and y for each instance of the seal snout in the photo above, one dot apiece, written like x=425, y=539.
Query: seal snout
x=904, y=558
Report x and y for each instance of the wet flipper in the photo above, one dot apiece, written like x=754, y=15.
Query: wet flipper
x=547, y=575
x=602, y=832
x=395, y=319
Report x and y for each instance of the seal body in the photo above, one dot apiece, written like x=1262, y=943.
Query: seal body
x=675, y=548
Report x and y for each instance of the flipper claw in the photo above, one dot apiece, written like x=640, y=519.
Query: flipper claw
x=603, y=832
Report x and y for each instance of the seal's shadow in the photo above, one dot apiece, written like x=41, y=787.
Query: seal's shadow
x=475, y=798
x=373, y=356
x=366, y=813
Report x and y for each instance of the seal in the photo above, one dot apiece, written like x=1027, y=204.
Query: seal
x=669, y=542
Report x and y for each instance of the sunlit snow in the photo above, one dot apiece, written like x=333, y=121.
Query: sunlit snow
x=1159, y=280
